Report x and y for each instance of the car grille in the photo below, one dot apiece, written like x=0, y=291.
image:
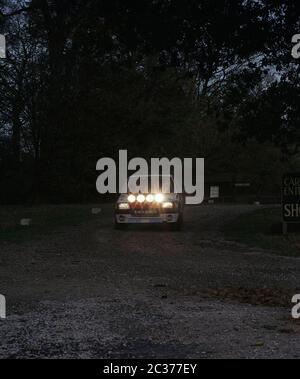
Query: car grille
x=144, y=211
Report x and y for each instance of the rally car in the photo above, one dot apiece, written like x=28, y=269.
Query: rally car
x=154, y=207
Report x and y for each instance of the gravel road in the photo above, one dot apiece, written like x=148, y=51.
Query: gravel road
x=90, y=291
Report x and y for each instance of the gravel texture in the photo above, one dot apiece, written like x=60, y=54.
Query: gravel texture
x=89, y=291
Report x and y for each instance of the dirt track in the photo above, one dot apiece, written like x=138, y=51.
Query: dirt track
x=90, y=291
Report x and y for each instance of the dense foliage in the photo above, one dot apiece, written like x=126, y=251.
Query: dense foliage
x=85, y=78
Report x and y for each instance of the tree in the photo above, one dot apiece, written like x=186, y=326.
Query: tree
x=86, y=78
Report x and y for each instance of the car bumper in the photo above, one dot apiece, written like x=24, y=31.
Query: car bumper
x=167, y=218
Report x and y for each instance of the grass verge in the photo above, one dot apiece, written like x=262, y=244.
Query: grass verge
x=44, y=220
x=263, y=229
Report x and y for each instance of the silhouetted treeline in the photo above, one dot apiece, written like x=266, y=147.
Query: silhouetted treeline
x=85, y=78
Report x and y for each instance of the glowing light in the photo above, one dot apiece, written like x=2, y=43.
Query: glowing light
x=159, y=198
x=123, y=206
x=167, y=205
x=131, y=199
x=150, y=198
x=141, y=198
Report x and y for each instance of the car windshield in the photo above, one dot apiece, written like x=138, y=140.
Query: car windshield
x=151, y=184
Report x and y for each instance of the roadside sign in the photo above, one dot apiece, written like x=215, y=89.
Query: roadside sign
x=291, y=198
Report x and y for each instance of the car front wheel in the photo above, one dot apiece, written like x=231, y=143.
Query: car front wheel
x=177, y=226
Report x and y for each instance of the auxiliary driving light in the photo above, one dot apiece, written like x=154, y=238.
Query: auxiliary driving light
x=131, y=199
x=167, y=205
x=150, y=198
x=141, y=198
x=159, y=198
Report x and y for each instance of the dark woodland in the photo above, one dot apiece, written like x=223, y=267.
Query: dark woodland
x=160, y=78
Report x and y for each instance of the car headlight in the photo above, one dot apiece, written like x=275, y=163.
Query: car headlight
x=141, y=198
x=159, y=198
x=168, y=205
x=131, y=199
x=123, y=206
